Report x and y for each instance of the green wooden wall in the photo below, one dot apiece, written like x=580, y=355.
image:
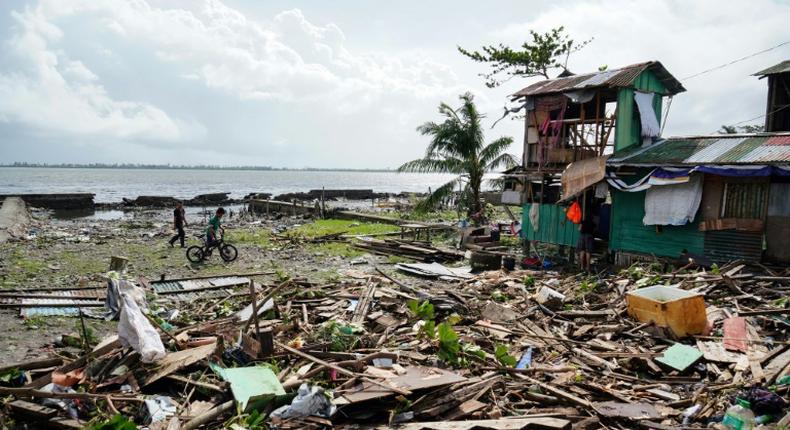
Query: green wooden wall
x=628, y=127
x=553, y=226
x=629, y=234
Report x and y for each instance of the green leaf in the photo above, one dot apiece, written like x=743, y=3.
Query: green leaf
x=503, y=357
x=453, y=319
x=474, y=350
x=118, y=422
x=422, y=310
x=9, y=375
x=449, y=347
x=429, y=329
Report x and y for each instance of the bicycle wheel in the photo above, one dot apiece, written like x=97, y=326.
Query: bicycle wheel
x=228, y=252
x=195, y=254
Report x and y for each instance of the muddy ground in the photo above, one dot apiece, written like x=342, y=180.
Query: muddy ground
x=68, y=253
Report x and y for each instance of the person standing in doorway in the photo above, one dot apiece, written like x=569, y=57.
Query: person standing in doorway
x=179, y=222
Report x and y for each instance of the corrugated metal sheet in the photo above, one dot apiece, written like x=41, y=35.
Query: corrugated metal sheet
x=48, y=312
x=553, y=226
x=714, y=150
x=745, y=200
x=726, y=149
x=782, y=67
x=726, y=245
x=615, y=78
x=629, y=234
x=229, y=281
x=778, y=140
x=166, y=286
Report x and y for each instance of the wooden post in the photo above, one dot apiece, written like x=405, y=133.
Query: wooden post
x=253, y=296
x=323, y=204
x=118, y=264
x=266, y=339
x=597, y=115
x=581, y=134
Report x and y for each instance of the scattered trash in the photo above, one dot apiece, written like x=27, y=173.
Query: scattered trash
x=136, y=331
x=159, y=409
x=310, y=400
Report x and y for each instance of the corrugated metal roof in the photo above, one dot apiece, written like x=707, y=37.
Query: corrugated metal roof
x=762, y=148
x=622, y=77
x=782, y=67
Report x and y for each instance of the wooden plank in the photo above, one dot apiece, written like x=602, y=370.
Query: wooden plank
x=34, y=364
x=520, y=423
x=178, y=360
x=32, y=410
x=561, y=393
x=468, y=407
x=775, y=366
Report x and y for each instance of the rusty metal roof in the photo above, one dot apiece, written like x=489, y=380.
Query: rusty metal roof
x=759, y=148
x=614, y=78
x=782, y=67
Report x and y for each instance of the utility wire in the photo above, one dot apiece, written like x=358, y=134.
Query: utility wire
x=760, y=116
x=735, y=61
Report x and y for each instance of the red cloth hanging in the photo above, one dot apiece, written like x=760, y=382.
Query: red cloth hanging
x=574, y=213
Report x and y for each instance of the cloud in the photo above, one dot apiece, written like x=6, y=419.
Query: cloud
x=43, y=88
x=687, y=37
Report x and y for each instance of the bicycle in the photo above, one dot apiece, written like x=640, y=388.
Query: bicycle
x=228, y=252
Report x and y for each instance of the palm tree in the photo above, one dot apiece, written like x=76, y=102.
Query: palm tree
x=458, y=146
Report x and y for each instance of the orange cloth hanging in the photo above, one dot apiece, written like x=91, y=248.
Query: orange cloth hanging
x=574, y=213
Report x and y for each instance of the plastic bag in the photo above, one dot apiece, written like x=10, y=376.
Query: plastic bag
x=309, y=400
x=136, y=331
x=574, y=213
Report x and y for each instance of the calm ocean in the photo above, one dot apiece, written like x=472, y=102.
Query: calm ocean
x=111, y=185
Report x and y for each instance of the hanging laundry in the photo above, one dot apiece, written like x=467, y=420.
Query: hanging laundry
x=534, y=216
x=647, y=115
x=574, y=213
x=673, y=204
x=601, y=190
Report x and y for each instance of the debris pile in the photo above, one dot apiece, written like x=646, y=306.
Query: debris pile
x=493, y=350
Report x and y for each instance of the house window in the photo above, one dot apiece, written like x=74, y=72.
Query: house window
x=744, y=200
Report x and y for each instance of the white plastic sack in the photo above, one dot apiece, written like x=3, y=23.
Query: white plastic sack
x=136, y=331
x=310, y=400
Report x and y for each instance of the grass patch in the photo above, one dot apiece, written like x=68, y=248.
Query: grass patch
x=76, y=263
x=324, y=227
x=260, y=237
x=20, y=267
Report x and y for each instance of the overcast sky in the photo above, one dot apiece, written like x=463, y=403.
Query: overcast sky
x=331, y=84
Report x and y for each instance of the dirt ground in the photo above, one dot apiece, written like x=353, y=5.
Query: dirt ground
x=67, y=253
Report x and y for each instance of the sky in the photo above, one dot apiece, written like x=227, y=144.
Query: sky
x=339, y=84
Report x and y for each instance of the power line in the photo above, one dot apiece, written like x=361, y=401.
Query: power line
x=760, y=116
x=735, y=61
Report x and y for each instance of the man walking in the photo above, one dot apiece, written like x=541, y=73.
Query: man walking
x=179, y=222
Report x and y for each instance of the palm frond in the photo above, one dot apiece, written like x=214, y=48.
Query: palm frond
x=496, y=184
x=494, y=149
x=433, y=165
x=439, y=195
x=503, y=161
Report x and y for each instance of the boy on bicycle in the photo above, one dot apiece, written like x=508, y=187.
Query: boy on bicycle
x=214, y=225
